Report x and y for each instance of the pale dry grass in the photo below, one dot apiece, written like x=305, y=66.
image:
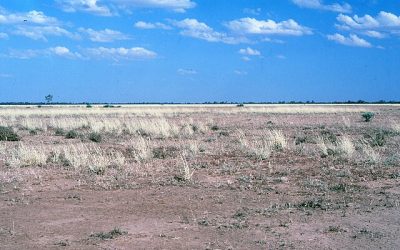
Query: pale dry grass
x=186, y=171
x=171, y=110
x=346, y=146
x=141, y=149
x=396, y=127
x=277, y=139
x=370, y=154
x=321, y=145
x=27, y=155
x=77, y=156
x=262, y=146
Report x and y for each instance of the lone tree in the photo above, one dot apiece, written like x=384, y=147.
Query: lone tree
x=48, y=98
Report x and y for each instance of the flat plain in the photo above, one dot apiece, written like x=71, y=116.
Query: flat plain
x=200, y=177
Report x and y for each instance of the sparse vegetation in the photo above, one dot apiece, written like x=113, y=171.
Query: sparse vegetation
x=116, y=232
x=233, y=171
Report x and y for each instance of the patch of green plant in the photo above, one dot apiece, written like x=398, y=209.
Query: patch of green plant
x=378, y=139
x=88, y=105
x=59, y=132
x=8, y=134
x=109, y=235
x=336, y=229
x=224, y=133
x=240, y=105
x=313, y=204
x=329, y=136
x=303, y=139
x=367, y=116
x=33, y=132
x=392, y=161
x=339, y=188
x=72, y=134
x=214, y=128
x=97, y=170
x=95, y=137
x=164, y=152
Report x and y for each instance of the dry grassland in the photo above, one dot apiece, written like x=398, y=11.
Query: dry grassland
x=200, y=177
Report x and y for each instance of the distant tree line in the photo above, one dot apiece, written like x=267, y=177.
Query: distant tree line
x=48, y=101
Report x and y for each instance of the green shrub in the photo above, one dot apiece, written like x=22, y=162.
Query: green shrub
x=214, y=128
x=7, y=134
x=109, y=235
x=95, y=137
x=240, y=105
x=88, y=105
x=367, y=116
x=60, y=132
x=72, y=134
x=379, y=139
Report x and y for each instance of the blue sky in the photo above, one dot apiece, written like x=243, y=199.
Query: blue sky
x=199, y=50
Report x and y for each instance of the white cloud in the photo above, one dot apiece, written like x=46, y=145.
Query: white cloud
x=53, y=51
x=106, y=35
x=175, y=5
x=31, y=17
x=90, y=6
x=121, y=53
x=268, y=27
x=254, y=12
x=89, y=53
x=319, y=4
x=187, y=72
x=374, y=34
x=383, y=21
x=3, y=35
x=246, y=58
x=41, y=32
x=108, y=7
x=352, y=40
x=249, y=52
x=146, y=25
x=64, y=52
x=196, y=29
x=240, y=72
x=3, y=75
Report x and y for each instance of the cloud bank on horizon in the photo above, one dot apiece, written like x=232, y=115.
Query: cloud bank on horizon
x=155, y=35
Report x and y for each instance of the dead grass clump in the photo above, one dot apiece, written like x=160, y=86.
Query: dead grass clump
x=27, y=155
x=345, y=147
x=87, y=156
x=259, y=148
x=185, y=171
x=370, y=154
x=140, y=148
x=396, y=128
x=277, y=139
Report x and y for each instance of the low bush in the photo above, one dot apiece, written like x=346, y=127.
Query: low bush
x=7, y=134
x=60, y=132
x=95, y=137
x=72, y=134
x=367, y=116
